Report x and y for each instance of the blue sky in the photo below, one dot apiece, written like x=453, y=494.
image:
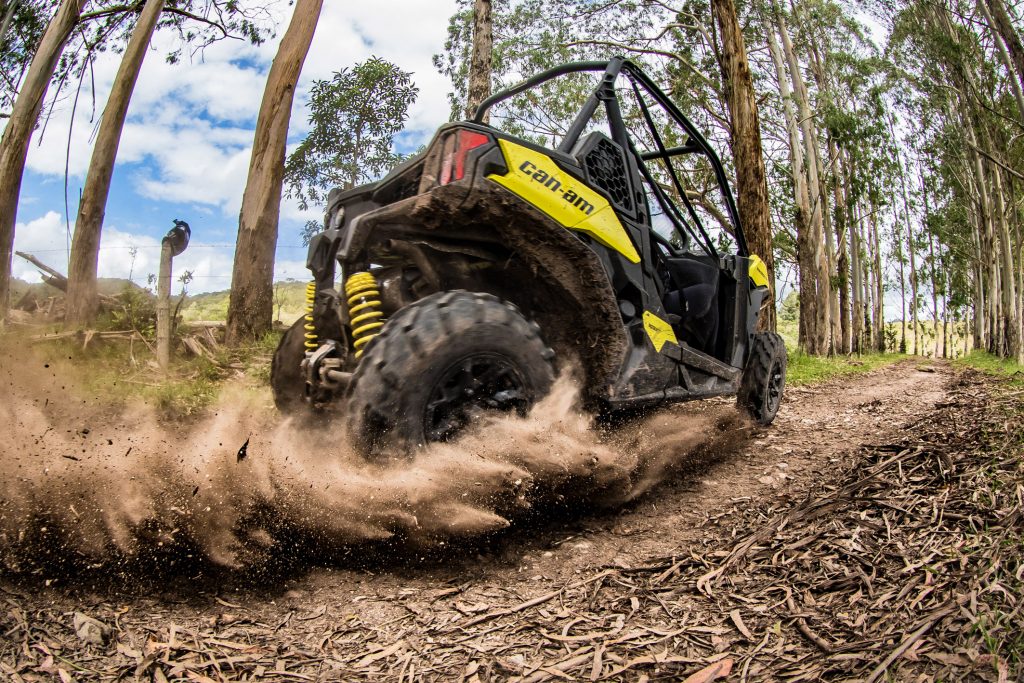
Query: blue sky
x=185, y=150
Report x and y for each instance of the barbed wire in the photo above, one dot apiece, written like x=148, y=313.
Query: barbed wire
x=157, y=246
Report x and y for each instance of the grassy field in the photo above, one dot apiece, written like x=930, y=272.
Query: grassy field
x=195, y=383
x=289, y=304
x=804, y=369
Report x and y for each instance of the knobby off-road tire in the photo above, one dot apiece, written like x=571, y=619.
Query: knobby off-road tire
x=764, y=378
x=437, y=364
x=286, y=380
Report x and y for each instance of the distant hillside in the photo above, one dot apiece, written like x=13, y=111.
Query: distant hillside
x=110, y=286
x=289, y=304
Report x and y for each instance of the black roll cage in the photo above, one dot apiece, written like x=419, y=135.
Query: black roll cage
x=605, y=92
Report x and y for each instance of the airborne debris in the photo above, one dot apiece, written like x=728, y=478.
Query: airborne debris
x=244, y=450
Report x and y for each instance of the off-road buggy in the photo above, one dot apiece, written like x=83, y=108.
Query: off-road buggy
x=476, y=269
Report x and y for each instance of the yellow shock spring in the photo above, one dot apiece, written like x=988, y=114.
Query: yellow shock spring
x=363, y=309
x=311, y=342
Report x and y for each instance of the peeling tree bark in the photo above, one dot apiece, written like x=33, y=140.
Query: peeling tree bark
x=822, y=323
x=24, y=114
x=745, y=141
x=82, y=300
x=251, y=306
x=480, y=62
x=805, y=269
x=843, y=261
x=1004, y=56
x=1004, y=25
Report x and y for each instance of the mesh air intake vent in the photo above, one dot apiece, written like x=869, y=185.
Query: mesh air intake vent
x=606, y=169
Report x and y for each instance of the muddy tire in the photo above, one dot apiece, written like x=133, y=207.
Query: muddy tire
x=437, y=365
x=286, y=380
x=764, y=378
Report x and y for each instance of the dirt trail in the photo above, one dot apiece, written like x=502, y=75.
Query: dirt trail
x=355, y=616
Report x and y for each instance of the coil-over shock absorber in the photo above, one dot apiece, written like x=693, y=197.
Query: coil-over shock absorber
x=363, y=309
x=311, y=342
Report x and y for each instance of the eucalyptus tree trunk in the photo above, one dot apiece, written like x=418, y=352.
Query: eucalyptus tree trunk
x=745, y=142
x=1009, y=324
x=856, y=290
x=987, y=243
x=897, y=239
x=82, y=297
x=843, y=262
x=1016, y=84
x=18, y=132
x=879, y=276
x=1003, y=24
x=933, y=265
x=935, y=295
x=822, y=323
x=251, y=306
x=5, y=24
x=868, y=281
x=805, y=265
x=910, y=245
x=480, y=61
x=836, y=332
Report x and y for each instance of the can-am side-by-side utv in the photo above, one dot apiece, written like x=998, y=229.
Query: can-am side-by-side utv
x=477, y=269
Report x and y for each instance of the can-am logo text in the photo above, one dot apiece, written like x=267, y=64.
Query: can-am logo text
x=555, y=185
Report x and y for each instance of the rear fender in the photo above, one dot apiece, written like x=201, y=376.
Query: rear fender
x=488, y=240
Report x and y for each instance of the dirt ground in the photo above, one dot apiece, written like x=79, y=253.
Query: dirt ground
x=579, y=593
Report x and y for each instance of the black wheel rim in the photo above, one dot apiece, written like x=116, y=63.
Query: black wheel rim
x=466, y=389
x=775, y=380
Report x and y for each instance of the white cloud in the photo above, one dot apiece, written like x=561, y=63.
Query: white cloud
x=190, y=129
x=131, y=254
x=192, y=122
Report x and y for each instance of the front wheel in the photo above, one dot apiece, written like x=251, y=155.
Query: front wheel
x=764, y=378
x=440, y=363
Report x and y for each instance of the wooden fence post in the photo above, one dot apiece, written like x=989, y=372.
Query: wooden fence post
x=163, y=308
x=174, y=242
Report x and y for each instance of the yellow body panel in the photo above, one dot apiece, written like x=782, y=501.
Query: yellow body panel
x=758, y=271
x=536, y=178
x=659, y=331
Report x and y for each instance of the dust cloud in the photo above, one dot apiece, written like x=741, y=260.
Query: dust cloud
x=88, y=485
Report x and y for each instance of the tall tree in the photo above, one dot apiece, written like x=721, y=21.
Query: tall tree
x=354, y=118
x=18, y=133
x=1003, y=24
x=480, y=61
x=745, y=140
x=82, y=298
x=250, y=307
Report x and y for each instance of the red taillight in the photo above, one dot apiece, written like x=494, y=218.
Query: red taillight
x=454, y=166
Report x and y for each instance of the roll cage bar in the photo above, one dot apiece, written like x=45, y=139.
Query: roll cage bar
x=605, y=92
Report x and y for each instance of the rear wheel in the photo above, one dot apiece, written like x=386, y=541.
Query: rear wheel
x=764, y=378
x=438, y=365
x=286, y=380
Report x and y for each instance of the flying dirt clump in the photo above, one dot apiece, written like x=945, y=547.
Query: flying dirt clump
x=91, y=485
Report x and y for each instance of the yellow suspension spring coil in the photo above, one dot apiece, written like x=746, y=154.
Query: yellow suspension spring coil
x=311, y=342
x=363, y=309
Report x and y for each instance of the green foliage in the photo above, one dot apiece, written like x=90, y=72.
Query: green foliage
x=136, y=311
x=353, y=118
x=107, y=25
x=27, y=22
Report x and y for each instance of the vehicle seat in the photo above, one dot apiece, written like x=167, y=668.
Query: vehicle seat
x=692, y=294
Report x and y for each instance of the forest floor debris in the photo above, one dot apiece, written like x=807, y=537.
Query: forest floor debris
x=889, y=548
